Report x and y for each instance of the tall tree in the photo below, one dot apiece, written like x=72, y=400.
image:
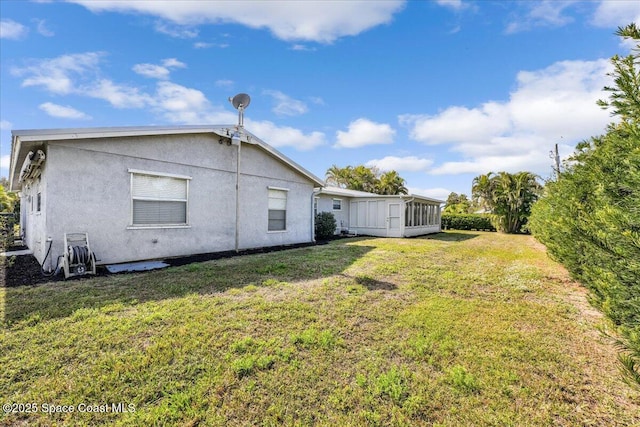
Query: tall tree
x=457, y=204
x=481, y=191
x=363, y=178
x=391, y=183
x=509, y=197
x=337, y=176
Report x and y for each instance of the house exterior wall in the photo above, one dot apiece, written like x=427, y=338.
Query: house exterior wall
x=325, y=204
x=259, y=172
x=384, y=216
x=32, y=219
x=89, y=190
x=370, y=216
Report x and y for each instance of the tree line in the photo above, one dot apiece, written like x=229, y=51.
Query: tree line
x=369, y=179
x=506, y=197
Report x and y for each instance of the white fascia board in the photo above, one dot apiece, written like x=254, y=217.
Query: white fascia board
x=428, y=199
x=15, y=149
x=91, y=133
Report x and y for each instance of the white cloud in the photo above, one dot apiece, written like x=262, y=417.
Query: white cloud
x=79, y=75
x=285, y=105
x=59, y=75
x=303, y=48
x=206, y=45
x=554, y=104
x=364, y=132
x=63, y=112
x=160, y=72
x=319, y=21
x=4, y=162
x=5, y=125
x=12, y=30
x=547, y=13
x=42, y=28
x=180, y=104
x=285, y=136
x=611, y=14
x=173, y=63
x=453, y=4
x=435, y=193
x=398, y=164
x=151, y=70
x=119, y=96
x=476, y=123
x=177, y=31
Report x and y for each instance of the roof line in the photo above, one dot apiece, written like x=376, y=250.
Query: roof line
x=35, y=135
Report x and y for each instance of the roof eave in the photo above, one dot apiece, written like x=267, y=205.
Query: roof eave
x=34, y=135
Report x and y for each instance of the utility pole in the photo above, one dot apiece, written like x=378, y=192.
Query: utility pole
x=556, y=158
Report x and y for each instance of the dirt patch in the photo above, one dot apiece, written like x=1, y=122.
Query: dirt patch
x=21, y=270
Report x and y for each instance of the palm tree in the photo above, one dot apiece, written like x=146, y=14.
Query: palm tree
x=482, y=191
x=390, y=183
x=509, y=197
x=337, y=176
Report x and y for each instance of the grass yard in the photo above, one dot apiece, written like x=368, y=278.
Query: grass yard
x=464, y=328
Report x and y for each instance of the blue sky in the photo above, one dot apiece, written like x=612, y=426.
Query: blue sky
x=440, y=91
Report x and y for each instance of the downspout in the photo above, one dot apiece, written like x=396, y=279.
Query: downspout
x=238, y=198
x=237, y=191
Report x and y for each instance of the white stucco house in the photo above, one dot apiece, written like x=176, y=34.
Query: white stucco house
x=156, y=192
x=143, y=193
x=358, y=212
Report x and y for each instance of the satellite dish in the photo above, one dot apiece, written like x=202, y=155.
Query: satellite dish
x=240, y=100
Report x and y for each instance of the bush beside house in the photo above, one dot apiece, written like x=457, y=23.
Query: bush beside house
x=325, y=225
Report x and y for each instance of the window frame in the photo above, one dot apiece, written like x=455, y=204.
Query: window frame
x=333, y=204
x=132, y=225
x=286, y=193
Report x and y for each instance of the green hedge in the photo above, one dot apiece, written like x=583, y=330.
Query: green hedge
x=325, y=225
x=589, y=219
x=467, y=222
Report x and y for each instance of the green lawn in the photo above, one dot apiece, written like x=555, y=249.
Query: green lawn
x=464, y=328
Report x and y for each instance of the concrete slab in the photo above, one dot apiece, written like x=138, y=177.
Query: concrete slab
x=136, y=266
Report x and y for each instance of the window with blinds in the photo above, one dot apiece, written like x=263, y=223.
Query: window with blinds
x=277, y=210
x=159, y=200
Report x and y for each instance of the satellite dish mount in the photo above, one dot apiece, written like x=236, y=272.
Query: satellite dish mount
x=240, y=102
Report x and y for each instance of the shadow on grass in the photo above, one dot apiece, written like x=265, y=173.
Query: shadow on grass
x=31, y=304
x=373, y=284
x=451, y=236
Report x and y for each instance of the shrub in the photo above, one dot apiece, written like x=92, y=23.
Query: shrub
x=589, y=218
x=467, y=222
x=7, y=230
x=325, y=225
